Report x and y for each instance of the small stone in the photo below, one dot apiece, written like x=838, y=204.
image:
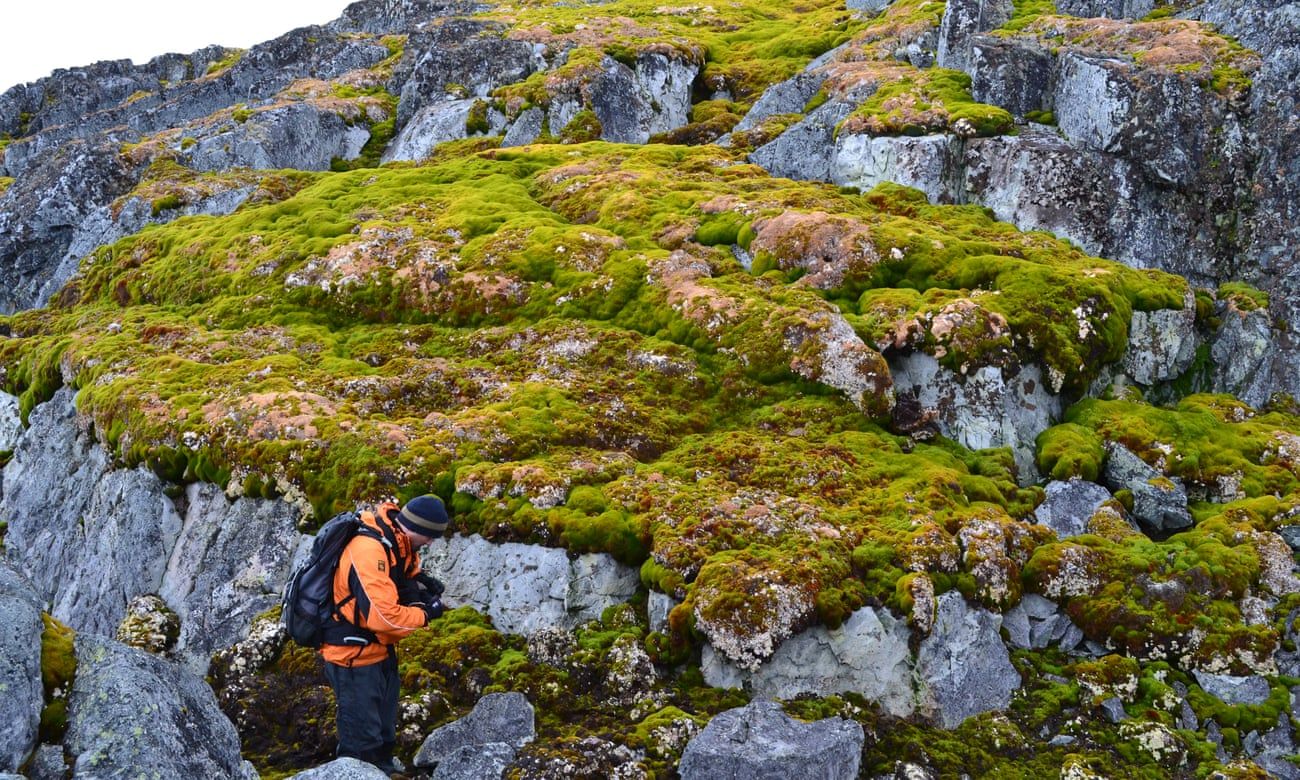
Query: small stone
x=1060, y=740
x=1231, y=689
x=1113, y=709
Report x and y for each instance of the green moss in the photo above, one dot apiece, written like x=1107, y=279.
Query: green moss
x=1041, y=117
x=916, y=102
x=231, y=58
x=58, y=670
x=166, y=203
x=1242, y=296
x=476, y=122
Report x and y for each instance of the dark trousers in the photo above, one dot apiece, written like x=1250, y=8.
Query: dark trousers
x=367, y=708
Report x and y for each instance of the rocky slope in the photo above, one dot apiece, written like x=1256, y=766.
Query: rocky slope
x=927, y=367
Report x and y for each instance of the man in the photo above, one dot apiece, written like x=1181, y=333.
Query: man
x=360, y=647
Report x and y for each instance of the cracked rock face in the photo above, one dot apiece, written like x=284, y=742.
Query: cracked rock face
x=524, y=588
x=20, y=668
x=1159, y=502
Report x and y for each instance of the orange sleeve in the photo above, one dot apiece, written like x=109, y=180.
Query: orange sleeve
x=389, y=620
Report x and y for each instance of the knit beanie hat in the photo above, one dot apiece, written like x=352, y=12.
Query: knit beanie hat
x=424, y=515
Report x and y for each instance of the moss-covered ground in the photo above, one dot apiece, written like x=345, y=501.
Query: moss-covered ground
x=562, y=340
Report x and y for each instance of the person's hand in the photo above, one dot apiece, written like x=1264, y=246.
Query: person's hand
x=430, y=583
x=433, y=609
x=409, y=593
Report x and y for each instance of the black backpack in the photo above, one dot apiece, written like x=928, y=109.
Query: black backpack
x=308, y=607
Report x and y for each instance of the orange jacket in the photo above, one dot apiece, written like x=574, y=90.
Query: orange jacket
x=364, y=573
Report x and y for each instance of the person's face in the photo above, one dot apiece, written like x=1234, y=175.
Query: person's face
x=418, y=540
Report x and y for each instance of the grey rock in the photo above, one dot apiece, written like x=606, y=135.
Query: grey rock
x=343, y=769
x=92, y=538
x=468, y=56
x=48, y=764
x=386, y=17
x=658, y=605
x=1214, y=735
x=11, y=424
x=1112, y=9
x=524, y=588
x=805, y=150
x=963, y=667
x=505, y=718
x=761, y=742
x=436, y=123
x=962, y=20
x=230, y=563
x=20, y=667
x=1232, y=689
x=667, y=83
x=1275, y=747
x=1061, y=740
x=1017, y=74
x=868, y=6
x=1187, y=717
x=1071, y=637
x=1068, y=506
x=1159, y=502
x=786, y=97
x=1016, y=623
x=131, y=712
x=476, y=762
x=1243, y=351
x=41, y=211
x=1042, y=632
x=1113, y=709
x=868, y=654
x=929, y=163
x=525, y=129
x=1161, y=343
x=990, y=407
x=299, y=136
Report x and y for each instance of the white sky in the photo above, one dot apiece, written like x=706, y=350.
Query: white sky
x=38, y=36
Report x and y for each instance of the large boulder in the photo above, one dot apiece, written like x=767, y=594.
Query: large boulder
x=1159, y=502
x=929, y=163
x=989, y=407
x=502, y=719
x=786, y=97
x=438, y=123
x=461, y=57
x=963, y=667
x=524, y=588
x=20, y=668
x=1068, y=506
x=806, y=149
x=133, y=713
x=343, y=769
x=1243, y=353
x=760, y=742
x=868, y=655
x=1161, y=343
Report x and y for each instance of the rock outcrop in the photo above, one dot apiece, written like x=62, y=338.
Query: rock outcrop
x=96, y=537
